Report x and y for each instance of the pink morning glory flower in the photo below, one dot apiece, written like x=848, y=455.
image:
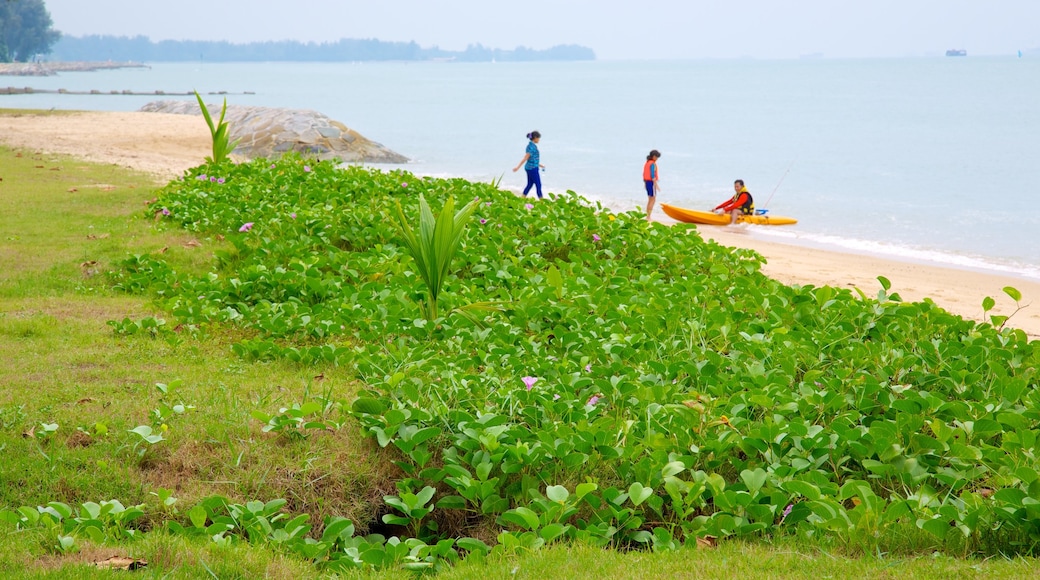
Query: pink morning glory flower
x=483, y=221
x=202, y=177
x=220, y=180
x=404, y=184
x=487, y=203
x=165, y=211
x=306, y=168
x=212, y=178
x=528, y=206
x=293, y=215
x=246, y=227
x=595, y=237
x=588, y=368
x=529, y=381
x=272, y=166
x=556, y=397
x=593, y=400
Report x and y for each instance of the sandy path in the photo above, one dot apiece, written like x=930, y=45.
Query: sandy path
x=160, y=144
x=167, y=145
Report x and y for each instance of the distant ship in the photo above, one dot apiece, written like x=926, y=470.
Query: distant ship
x=956, y=52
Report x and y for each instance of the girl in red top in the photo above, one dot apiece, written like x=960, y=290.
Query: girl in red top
x=740, y=204
x=650, y=176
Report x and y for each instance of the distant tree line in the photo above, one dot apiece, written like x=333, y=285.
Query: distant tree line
x=26, y=30
x=141, y=49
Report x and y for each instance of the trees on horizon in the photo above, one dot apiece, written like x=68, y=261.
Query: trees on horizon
x=141, y=48
x=26, y=30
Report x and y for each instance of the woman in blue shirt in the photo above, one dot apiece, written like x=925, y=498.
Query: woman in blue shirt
x=531, y=164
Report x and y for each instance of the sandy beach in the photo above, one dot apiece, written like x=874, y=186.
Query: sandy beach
x=166, y=145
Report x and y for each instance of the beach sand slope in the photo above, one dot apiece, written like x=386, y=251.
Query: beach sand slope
x=163, y=145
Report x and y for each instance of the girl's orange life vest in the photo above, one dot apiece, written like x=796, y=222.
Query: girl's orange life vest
x=650, y=170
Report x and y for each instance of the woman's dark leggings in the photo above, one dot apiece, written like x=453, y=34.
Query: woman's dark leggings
x=535, y=180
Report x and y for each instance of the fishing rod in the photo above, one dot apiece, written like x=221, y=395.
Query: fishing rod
x=766, y=204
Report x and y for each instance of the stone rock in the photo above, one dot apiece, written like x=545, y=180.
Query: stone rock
x=46, y=69
x=271, y=132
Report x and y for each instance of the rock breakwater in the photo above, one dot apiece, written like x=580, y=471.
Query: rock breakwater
x=271, y=132
x=46, y=69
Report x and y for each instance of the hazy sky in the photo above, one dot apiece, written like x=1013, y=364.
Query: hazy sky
x=615, y=29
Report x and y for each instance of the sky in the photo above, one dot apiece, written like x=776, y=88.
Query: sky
x=614, y=29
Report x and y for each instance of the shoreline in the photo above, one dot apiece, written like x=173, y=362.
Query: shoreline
x=957, y=290
x=166, y=145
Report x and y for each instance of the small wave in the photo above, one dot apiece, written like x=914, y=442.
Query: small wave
x=904, y=253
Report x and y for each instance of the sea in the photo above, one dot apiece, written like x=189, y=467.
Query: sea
x=928, y=160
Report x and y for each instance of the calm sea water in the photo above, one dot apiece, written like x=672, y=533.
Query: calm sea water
x=933, y=159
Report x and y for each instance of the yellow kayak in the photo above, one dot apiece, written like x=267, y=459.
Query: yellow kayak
x=692, y=216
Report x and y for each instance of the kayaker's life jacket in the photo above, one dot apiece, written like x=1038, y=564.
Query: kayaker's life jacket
x=743, y=201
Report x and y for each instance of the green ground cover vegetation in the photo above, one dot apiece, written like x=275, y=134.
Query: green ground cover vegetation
x=246, y=376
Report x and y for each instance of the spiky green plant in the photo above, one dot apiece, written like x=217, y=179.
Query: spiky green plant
x=435, y=245
x=219, y=131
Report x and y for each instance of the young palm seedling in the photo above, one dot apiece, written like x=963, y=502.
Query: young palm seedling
x=435, y=244
x=222, y=146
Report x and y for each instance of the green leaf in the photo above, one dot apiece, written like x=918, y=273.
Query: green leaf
x=29, y=514
x=897, y=509
x=1011, y=496
x=62, y=509
x=337, y=528
x=557, y=493
x=1026, y=474
x=205, y=114
x=66, y=543
x=198, y=516
x=89, y=510
x=555, y=280
x=754, y=480
x=451, y=502
x=395, y=520
x=472, y=545
x=96, y=534
x=638, y=494
x=584, y=489
x=937, y=527
x=804, y=488
x=553, y=531
x=425, y=434
x=521, y=517
x=1013, y=293
x=672, y=468
x=988, y=303
x=425, y=495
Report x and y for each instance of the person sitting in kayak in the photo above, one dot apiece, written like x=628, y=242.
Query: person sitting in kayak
x=740, y=204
